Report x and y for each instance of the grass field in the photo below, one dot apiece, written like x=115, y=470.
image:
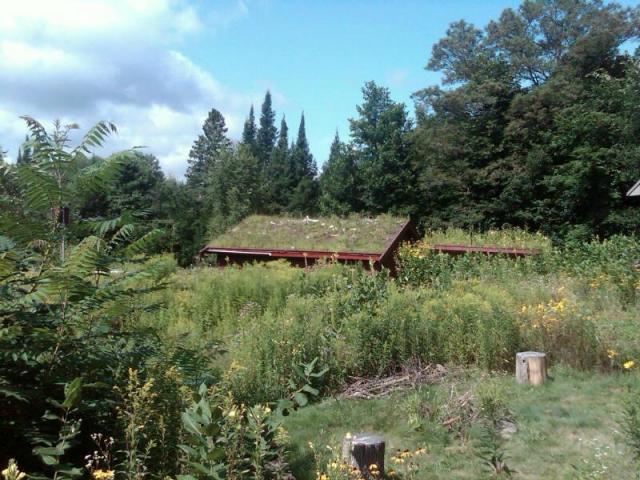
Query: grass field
x=252, y=328
x=566, y=429
x=336, y=234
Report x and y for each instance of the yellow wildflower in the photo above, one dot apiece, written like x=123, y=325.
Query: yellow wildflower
x=102, y=474
x=629, y=364
x=611, y=353
x=12, y=472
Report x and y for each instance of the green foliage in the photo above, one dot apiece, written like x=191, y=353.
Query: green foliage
x=536, y=129
x=201, y=421
x=279, y=176
x=207, y=148
x=630, y=422
x=227, y=440
x=232, y=193
x=68, y=312
x=51, y=451
x=490, y=451
x=469, y=309
x=380, y=139
x=303, y=386
x=249, y=133
x=339, y=181
x=266, y=134
x=304, y=197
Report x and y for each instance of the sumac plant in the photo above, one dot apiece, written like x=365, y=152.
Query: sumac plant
x=69, y=288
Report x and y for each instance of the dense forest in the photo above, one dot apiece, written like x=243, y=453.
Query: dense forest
x=535, y=125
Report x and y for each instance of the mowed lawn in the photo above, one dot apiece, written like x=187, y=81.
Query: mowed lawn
x=568, y=428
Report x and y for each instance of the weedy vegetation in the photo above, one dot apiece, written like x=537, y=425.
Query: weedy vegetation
x=117, y=364
x=334, y=234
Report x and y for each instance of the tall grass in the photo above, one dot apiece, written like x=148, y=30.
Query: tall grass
x=578, y=304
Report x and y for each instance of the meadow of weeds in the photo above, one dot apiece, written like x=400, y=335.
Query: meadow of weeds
x=579, y=304
x=206, y=373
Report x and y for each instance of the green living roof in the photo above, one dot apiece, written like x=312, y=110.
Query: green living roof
x=335, y=234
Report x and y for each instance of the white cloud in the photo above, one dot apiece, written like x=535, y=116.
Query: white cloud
x=116, y=60
x=397, y=77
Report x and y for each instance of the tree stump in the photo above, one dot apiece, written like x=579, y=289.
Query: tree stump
x=531, y=368
x=363, y=450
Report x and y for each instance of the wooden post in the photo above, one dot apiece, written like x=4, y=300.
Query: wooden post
x=363, y=450
x=531, y=368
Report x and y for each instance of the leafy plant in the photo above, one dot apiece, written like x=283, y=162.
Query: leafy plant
x=227, y=440
x=52, y=451
x=65, y=293
x=489, y=449
x=135, y=413
x=303, y=387
x=630, y=422
x=204, y=456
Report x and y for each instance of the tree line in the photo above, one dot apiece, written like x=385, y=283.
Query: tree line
x=536, y=125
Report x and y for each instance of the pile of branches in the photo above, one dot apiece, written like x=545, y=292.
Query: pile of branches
x=459, y=412
x=409, y=377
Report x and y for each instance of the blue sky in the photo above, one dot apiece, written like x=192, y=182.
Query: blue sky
x=156, y=67
x=316, y=56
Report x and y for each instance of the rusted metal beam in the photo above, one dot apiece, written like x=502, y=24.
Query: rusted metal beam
x=489, y=250
x=286, y=253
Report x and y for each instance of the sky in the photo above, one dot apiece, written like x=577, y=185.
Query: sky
x=156, y=67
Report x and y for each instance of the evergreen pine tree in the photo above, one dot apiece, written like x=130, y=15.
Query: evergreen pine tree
x=249, y=133
x=338, y=183
x=207, y=148
x=207, y=151
x=303, y=162
x=232, y=192
x=304, y=198
x=267, y=132
x=380, y=137
x=279, y=179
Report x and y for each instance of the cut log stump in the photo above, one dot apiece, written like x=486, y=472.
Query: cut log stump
x=531, y=368
x=364, y=450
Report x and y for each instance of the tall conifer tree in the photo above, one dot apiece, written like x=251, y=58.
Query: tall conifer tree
x=267, y=132
x=207, y=148
x=380, y=137
x=303, y=163
x=305, y=194
x=249, y=133
x=338, y=183
x=279, y=178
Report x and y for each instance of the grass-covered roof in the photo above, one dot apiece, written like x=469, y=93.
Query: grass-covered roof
x=335, y=234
